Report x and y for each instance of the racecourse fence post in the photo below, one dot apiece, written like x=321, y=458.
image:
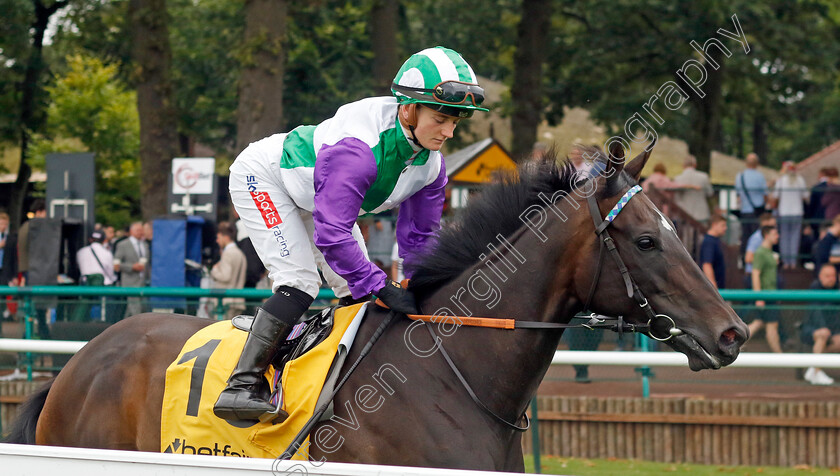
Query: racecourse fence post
x=643, y=342
x=28, y=315
x=220, y=309
x=535, y=435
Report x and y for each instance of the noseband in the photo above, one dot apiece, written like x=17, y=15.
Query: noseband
x=633, y=291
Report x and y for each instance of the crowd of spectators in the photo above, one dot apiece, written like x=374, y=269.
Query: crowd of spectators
x=785, y=227
x=109, y=258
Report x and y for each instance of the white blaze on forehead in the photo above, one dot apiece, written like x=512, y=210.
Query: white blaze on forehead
x=664, y=221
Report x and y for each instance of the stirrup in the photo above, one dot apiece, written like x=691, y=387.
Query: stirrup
x=278, y=415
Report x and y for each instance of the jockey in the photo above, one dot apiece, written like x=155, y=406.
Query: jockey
x=299, y=195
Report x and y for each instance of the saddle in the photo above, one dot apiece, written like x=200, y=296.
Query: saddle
x=306, y=374
x=305, y=336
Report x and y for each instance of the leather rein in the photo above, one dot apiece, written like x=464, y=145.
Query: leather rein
x=596, y=321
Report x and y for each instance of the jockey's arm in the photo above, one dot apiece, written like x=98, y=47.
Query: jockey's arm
x=343, y=174
x=419, y=219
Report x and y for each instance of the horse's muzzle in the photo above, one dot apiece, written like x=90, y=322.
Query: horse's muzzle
x=722, y=351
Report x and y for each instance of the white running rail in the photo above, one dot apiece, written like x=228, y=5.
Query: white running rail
x=24, y=460
x=674, y=359
x=561, y=357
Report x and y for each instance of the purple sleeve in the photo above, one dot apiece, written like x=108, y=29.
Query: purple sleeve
x=343, y=174
x=419, y=219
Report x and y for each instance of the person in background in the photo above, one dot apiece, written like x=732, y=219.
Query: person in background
x=791, y=194
x=712, y=259
x=828, y=248
x=585, y=165
x=148, y=235
x=256, y=271
x=230, y=271
x=821, y=329
x=5, y=275
x=659, y=180
x=754, y=242
x=110, y=236
x=38, y=209
x=752, y=189
x=695, y=192
x=131, y=260
x=96, y=259
x=764, y=275
x=816, y=211
x=4, y=235
x=831, y=194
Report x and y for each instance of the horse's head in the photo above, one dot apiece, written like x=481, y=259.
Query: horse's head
x=666, y=275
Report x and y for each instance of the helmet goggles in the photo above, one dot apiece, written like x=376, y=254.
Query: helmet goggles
x=446, y=92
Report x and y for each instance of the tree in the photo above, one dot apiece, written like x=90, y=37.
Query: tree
x=613, y=57
x=205, y=39
x=91, y=104
x=260, y=111
x=526, y=91
x=151, y=53
x=384, y=20
x=329, y=60
x=31, y=105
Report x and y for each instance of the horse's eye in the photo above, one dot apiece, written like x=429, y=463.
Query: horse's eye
x=646, y=243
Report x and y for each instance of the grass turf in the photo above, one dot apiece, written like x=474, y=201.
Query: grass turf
x=621, y=467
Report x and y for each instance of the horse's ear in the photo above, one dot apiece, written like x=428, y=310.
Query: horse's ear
x=634, y=168
x=615, y=161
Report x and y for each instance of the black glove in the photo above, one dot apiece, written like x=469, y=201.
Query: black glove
x=397, y=298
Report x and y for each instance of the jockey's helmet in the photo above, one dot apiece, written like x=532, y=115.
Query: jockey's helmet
x=440, y=79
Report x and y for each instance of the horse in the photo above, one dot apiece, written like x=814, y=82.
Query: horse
x=442, y=394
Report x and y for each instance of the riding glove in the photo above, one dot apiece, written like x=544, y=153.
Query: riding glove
x=397, y=298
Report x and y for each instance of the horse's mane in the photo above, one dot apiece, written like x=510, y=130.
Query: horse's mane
x=495, y=210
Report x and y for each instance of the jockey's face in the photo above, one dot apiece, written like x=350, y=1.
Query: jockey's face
x=434, y=128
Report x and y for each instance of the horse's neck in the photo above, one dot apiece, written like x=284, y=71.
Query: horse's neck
x=519, y=280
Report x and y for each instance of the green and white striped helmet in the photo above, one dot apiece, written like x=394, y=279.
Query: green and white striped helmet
x=439, y=78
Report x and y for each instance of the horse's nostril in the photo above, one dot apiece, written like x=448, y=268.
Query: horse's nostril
x=730, y=341
x=728, y=337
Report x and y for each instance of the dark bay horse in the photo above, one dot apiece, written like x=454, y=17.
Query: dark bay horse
x=524, y=249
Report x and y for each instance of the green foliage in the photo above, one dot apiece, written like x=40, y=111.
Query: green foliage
x=14, y=51
x=205, y=70
x=608, y=56
x=623, y=467
x=95, y=28
x=90, y=104
x=328, y=60
x=485, y=36
x=611, y=57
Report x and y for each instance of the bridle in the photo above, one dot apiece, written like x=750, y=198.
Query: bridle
x=595, y=320
x=633, y=291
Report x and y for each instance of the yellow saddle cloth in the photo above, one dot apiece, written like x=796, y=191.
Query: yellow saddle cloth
x=195, y=379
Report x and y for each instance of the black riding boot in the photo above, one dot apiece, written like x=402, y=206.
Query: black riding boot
x=246, y=395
